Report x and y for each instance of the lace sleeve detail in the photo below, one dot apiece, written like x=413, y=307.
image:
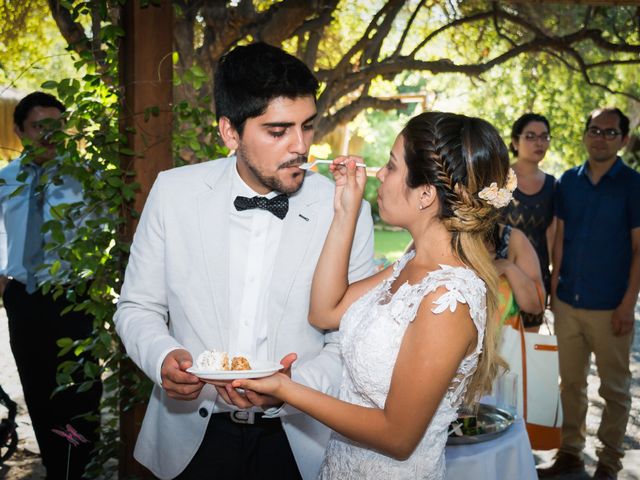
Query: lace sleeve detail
x=401, y=262
x=462, y=286
x=448, y=300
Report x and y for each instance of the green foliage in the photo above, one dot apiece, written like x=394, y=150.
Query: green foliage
x=28, y=33
x=390, y=244
x=91, y=262
x=539, y=84
x=195, y=137
x=86, y=235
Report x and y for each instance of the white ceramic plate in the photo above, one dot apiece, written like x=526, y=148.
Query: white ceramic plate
x=259, y=370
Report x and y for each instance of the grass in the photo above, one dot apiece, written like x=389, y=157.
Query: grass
x=390, y=244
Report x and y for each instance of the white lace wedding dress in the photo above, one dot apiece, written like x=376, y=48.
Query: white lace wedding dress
x=372, y=330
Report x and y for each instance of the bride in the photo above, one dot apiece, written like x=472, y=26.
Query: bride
x=415, y=338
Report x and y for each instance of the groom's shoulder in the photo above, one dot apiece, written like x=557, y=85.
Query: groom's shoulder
x=318, y=184
x=189, y=177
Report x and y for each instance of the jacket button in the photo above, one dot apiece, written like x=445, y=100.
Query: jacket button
x=203, y=412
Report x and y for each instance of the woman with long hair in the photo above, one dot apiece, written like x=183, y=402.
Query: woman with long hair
x=415, y=342
x=532, y=208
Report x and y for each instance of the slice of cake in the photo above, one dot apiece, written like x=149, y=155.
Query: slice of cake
x=240, y=363
x=213, y=360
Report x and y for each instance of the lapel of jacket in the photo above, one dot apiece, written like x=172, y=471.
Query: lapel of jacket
x=297, y=234
x=213, y=217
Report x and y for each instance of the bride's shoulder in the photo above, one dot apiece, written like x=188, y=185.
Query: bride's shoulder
x=453, y=285
x=457, y=274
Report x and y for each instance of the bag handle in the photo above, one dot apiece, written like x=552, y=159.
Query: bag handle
x=543, y=304
x=523, y=349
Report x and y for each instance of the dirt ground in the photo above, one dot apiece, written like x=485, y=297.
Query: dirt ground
x=25, y=464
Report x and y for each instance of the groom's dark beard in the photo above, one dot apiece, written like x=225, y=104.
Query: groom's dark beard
x=295, y=162
x=272, y=182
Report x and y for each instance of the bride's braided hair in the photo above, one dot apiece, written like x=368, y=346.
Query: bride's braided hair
x=460, y=156
x=467, y=155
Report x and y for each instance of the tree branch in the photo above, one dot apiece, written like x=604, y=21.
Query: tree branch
x=371, y=51
x=328, y=122
x=72, y=31
x=407, y=28
x=585, y=75
x=496, y=25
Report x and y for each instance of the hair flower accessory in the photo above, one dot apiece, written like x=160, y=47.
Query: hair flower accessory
x=500, y=197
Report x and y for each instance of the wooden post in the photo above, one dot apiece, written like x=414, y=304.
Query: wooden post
x=146, y=76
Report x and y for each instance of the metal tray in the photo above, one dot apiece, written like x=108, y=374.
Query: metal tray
x=492, y=421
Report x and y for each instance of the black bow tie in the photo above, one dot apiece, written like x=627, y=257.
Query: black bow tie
x=279, y=205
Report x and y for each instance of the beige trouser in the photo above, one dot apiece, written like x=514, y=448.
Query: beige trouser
x=579, y=333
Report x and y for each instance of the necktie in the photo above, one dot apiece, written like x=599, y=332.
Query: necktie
x=279, y=205
x=33, y=255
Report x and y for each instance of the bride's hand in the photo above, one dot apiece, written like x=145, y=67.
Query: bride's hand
x=350, y=182
x=271, y=385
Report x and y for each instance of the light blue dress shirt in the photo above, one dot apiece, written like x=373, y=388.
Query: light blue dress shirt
x=13, y=216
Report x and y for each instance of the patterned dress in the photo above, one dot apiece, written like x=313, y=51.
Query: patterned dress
x=372, y=331
x=532, y=214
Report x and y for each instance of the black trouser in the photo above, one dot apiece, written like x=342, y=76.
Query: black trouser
x=35, y=324
x=234, y=451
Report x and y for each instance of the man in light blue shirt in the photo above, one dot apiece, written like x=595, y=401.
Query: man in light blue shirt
x=28, y=198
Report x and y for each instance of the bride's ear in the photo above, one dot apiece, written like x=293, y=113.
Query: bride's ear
x=428, y=195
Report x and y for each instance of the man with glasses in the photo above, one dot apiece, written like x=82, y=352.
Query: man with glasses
x=595, y=284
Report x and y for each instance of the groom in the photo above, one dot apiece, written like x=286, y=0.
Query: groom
x=223, y=259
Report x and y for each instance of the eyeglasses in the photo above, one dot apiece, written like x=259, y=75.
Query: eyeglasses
x=608, y=133
x=532, y=137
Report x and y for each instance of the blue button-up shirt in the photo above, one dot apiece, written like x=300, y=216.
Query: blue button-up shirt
x=596, y=253
x=14, y=209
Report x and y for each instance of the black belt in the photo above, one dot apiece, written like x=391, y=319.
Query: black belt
x=244, y=417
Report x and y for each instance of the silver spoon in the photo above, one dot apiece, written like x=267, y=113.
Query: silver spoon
x=308, y=165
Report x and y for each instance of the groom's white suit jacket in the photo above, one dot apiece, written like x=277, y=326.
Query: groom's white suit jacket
x=175, y=295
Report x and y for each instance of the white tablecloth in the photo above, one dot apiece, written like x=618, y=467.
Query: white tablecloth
x=507, y=457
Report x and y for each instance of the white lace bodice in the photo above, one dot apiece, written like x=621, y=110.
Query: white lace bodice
x=372, y=330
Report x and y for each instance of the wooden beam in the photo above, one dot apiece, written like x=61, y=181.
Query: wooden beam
x=146, y=119
x=146, y=76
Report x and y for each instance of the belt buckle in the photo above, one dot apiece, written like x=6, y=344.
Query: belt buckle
x=243, y=416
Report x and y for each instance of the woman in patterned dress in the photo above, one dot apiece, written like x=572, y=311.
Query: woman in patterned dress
x=415, y=340
x=532, y=208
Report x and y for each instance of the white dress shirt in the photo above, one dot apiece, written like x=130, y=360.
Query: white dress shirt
x=254, y=236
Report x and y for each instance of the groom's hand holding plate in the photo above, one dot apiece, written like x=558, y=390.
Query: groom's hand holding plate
x=214, y=368
x=176, y=380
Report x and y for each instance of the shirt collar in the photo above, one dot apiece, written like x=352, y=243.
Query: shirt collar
x=612, y=172
x=615, y=168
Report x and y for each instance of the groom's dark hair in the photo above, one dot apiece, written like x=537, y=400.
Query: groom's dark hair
x=249, y=77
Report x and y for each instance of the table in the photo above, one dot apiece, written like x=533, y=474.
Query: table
x=507, y=457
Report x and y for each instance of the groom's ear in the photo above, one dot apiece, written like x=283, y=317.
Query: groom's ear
x=228, y=133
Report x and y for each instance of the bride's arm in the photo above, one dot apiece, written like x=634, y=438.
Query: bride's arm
x=331, y=293
x=430, y=354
